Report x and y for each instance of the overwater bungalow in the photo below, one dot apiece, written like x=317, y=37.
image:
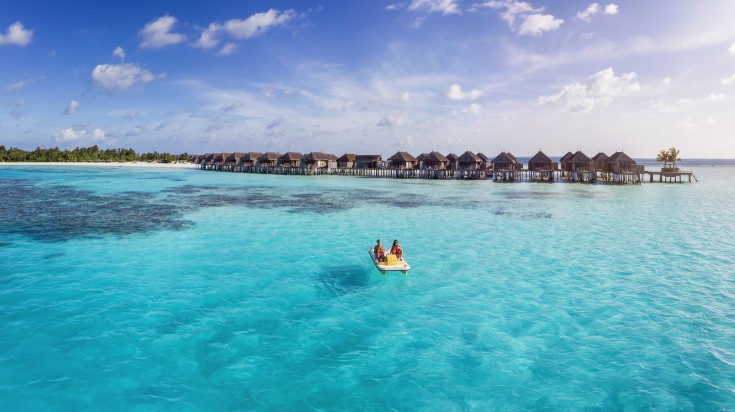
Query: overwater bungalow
x=581, y=168
x=249, y=159
x=232, y=160
x=541, y=167
x=402, y=160
x=346, y=161
x=432, y=160
x=368, y=161
x=486, y=161
x=506, y=167
x=620, y=168
x=319, y=160
x=469, y=161
x=290, y=159
x=453, y=161
x=599, y=160
x=268, y=159
x=564, y=164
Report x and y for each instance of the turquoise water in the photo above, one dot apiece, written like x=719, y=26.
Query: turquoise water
x=152, y=289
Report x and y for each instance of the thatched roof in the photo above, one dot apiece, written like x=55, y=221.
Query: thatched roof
x=469, y=157
x=402, y=156
x=540, y=157
x=432, y=157
x=250, y=157
x=580, y=157
x=317, y=156
x=483, y=157
x=291, y=157
x=567, y=157
x=504, y=157
x=452, y=157
x=600, y=157
x=347, y=157
x=621, y=158
x=234, y=157
x=219, y=157
x=368, y=158
x=269, y=156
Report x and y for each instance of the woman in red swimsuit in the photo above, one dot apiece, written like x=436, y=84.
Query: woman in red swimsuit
x=396, y=250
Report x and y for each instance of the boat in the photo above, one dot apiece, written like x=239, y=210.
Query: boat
x=391, y=264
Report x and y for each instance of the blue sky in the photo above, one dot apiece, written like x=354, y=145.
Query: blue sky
x=370, y=76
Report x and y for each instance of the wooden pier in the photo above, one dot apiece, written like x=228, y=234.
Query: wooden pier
x=671, y=177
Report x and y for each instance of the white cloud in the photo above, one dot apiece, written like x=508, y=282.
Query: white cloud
x=729, y=81
x=15, y=86
x=732, y=49
x=714, y=97
x=158, y=33
x=392, y=121
x=601, y=88
x=119, y=77
x=455, y=93
x=536, y=24
x=435, y=6
x=278, y=122
x=393, y=7
x=16, y=35
x=473, y=109
x=119, y=52
x=611, y=9
x=231, y=106
x=227, y=49
x=590, y=11
x=406, y=97
x=72, y=108
x=533, y=23
x=130, y=115
x=241, y=29
x=78, y=134
x=664, y=85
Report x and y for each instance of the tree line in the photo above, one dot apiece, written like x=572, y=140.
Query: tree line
x=86, y=154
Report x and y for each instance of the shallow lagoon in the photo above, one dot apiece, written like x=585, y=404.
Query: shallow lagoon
x=150, y=289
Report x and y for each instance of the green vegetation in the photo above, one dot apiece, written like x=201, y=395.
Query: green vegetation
x=86, y=154
x=669, y=159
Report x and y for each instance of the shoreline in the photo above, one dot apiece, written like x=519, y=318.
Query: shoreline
x=105, y=164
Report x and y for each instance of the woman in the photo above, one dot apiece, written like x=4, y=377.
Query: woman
x=396, y=250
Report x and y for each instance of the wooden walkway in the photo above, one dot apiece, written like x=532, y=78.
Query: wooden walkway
x=671, y=177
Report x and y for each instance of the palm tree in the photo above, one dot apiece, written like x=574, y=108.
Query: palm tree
x=663, y=156
x=673, y=156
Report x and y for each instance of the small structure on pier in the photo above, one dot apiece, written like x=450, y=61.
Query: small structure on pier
x=452, y=161
x=432, y=160
x=290, y=159
x=486, y=162
x=249, y=159
x=269, y=159
x=541, y=167
x=402, y=160
x=581, y=168
x=232, y=160
x=469, y=161
x=620, y=168
x=319, y=160
x=368, y=161
x=599, y=160
x=346, y=161
x=506, y=167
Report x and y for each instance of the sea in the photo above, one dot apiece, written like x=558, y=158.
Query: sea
x=143, y=289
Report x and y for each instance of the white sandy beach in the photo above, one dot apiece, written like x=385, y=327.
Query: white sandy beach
x=104, y=164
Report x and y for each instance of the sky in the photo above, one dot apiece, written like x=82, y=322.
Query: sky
x=370, y=77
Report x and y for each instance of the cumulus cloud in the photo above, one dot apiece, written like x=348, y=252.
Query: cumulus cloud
x=536, y=24
x=119, y=52
x=15, y=86
x=732, y=49
x=600, y=89
x=586, y=14
x=242, y=29
x=81, y=134
x=611, y=9
x=455, y=93
x=664, y=85
x=435, y=6
x=120, y=77
x=227, y=49
x=72, y=108
x=16, y=35
x=532, y=21
x=473, y=109
x=157, y=33
x=392, y=121
x=729, y=81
